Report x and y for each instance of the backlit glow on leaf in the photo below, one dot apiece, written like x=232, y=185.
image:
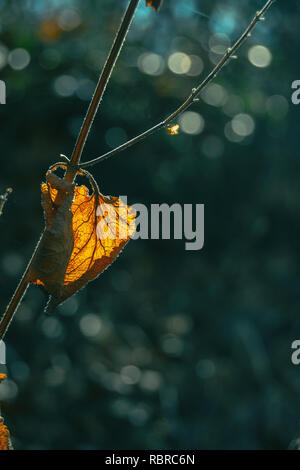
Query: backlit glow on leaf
x=173, y=129
x=83, y=236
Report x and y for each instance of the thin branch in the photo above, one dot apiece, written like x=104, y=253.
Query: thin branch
x=72, y=168
x=103, y=81
x=193, y=96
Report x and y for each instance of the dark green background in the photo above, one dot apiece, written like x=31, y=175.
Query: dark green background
x=230, y=311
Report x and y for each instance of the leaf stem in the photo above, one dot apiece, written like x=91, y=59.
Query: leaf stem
x=192, y=97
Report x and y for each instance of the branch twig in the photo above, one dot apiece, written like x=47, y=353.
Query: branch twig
x=192, y=97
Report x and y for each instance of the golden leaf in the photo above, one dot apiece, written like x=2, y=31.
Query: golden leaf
x=49, y=30
x=5, y=443
x=83, y=236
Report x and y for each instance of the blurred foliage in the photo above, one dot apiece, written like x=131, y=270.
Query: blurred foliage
x=168, y=348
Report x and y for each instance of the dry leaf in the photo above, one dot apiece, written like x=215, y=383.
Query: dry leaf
x=3, y=199
x=155, y=4
x=5, y=442
x=173, y=129
x=82, y=237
